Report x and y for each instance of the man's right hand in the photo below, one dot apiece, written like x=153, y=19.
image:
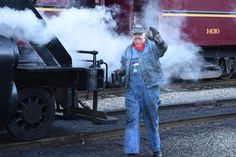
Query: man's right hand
x=119, y=72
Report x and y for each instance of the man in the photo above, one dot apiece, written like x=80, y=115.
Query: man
x=142, y=68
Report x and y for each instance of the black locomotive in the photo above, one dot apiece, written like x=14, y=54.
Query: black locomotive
x=31, y=92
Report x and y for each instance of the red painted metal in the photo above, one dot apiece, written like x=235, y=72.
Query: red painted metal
x=196, y=5
x=102, y=2
x=125, y=17
x=206, y=31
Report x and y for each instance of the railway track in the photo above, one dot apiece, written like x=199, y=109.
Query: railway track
x=177, y=86
x=202, y=85
x=88, y=136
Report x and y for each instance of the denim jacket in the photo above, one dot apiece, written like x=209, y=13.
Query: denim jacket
x=150, y=65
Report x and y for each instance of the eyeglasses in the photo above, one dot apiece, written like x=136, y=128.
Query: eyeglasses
x=137, y=34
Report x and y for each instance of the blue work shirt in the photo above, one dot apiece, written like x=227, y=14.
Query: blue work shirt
x=149, y=63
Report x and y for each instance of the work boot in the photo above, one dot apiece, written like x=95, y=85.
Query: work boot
x=129, y=155
x=157, y=154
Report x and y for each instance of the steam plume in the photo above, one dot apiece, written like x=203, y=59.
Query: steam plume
x=23, y=25
x=182, y=58
x=90, y=29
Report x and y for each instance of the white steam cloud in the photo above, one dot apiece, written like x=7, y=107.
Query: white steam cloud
x=77, y=29
x=23, y=25
x=90, y=29
x=182, y=58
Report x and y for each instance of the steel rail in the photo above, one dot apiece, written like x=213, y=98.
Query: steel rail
x=178, y=86
x=82, y=138
x=183, y=105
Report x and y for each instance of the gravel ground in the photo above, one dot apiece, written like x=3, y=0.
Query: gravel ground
x=171, y=98
x=211, y=139
x=62, y=127
x=206, y=140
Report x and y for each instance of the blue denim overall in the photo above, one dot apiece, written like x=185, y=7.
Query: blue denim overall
x=140, y=101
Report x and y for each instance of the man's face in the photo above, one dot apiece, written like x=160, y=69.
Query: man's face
x=138, y=38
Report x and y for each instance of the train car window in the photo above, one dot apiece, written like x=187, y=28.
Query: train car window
x=66, y=3
x=84, y=3
x=54, y=3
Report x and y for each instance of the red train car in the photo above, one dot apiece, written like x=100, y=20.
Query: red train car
x=210, y=25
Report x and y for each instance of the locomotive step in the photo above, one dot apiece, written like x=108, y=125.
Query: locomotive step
x=97, y=117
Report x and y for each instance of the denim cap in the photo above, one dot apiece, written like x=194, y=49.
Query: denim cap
x=138, y=28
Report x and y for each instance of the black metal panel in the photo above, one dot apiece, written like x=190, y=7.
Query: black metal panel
x=8, y=60
x=54, y=46
x=53, y=77
x=79, y=78
x=45, y=55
